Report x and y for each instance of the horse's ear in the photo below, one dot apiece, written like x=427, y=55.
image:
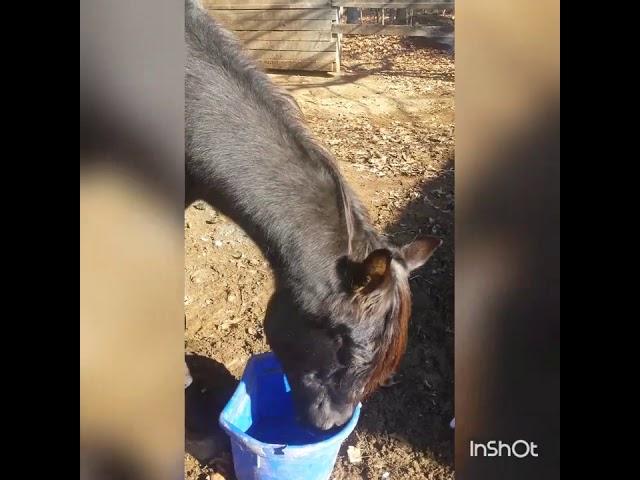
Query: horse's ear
x=372, y=272
x=419, y=251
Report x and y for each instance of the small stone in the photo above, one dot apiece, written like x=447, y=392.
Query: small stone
x=216, y=476
x=231, y=298
x=236, y=255
x=385, y=475
x=233, y=320
x=217, y=243
x=251, y=331
x=354, y=455
x=199, y=276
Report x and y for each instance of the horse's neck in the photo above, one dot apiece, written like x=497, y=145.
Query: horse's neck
x=304, y=239
x=251, y=156
x=310, y=266
x=296, y=217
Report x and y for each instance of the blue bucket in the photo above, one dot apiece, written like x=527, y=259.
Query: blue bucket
x=266, y=441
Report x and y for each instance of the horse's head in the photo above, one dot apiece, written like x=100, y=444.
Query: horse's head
x=338, y=355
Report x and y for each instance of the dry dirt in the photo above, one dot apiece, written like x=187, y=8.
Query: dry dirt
x=389, y=119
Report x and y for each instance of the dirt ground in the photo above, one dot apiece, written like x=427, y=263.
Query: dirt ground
x=389, y=119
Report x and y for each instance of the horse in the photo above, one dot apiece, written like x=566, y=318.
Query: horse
x=338, y=318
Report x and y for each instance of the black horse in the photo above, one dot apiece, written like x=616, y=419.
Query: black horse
x=339, y=315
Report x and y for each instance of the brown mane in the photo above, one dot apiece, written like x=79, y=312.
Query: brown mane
x=394, y=336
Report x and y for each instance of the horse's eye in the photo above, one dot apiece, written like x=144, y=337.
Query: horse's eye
x=342, y=353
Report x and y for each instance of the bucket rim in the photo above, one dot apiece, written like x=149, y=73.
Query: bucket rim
x=265, y=449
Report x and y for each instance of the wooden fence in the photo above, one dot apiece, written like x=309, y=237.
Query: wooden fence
x=306, y=34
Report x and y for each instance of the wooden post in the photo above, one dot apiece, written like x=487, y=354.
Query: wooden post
x=383, y=16
x=338, y=41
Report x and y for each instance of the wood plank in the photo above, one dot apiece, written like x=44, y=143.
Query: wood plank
x=400, y=30
x=282, y=56
x=281, y=25
x=294, y=35
x=299, y=65
x=263, y=4
x=287, y=45
x=392, y=4
x=280, y=14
